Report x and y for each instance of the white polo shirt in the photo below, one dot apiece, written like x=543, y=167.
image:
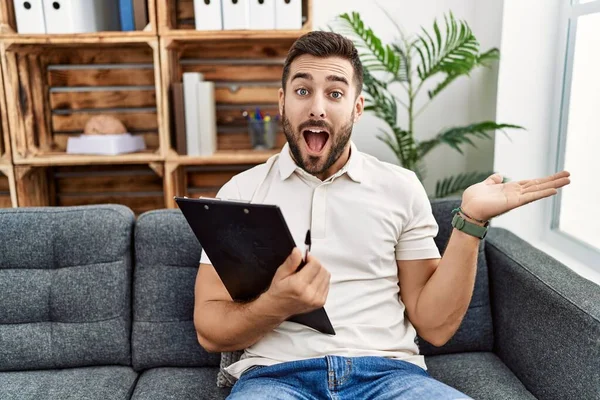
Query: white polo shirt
x=362, y=219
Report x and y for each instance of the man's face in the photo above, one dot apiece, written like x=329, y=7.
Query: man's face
x=319, y=108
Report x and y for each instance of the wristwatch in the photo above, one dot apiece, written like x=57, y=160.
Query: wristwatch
x=468, y=227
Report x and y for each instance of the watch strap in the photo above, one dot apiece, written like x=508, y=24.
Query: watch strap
x=468, y=227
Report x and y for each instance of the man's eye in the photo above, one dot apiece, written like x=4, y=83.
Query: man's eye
x=336, y=95
x=302, y=92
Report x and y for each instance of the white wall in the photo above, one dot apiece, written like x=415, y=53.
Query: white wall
x=465, y=101
x=526, y=93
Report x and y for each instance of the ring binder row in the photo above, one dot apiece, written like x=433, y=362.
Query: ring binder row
x=79, y=16
x=248, y=14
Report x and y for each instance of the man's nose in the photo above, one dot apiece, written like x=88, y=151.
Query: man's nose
x=317, y=108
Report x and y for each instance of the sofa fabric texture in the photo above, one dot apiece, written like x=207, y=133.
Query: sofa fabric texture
x=65, y=279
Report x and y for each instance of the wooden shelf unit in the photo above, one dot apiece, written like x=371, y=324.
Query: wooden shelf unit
x=55, y=83
x=53, y=89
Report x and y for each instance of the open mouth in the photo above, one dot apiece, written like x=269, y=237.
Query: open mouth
x=315, y=139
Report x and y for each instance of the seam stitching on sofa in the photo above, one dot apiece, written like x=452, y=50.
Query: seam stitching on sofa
x=544, y=282
x=63, y=322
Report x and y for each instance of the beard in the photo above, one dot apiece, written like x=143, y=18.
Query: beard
x=316, y=165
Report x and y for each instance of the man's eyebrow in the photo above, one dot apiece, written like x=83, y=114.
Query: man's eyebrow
x=337, y=78
x=302, y=75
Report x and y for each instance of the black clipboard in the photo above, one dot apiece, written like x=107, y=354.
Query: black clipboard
x=246, y=243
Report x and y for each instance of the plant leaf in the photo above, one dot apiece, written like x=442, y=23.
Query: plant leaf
x=456, y=136
x=456, y=184
x=456, y=55
x=384, y=54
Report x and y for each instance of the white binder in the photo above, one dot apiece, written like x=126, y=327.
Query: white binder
x=207, y=118
x=288, y=14
x=236, y=14
x=262, y=14
x=190, y=99
x=208, y=15
x=81, y=16
x=29, y=16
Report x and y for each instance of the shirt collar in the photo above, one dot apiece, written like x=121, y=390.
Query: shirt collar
x=354, y=166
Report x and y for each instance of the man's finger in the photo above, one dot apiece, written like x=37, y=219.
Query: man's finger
x=558, y=183
x=540, y=194
x=530, y=182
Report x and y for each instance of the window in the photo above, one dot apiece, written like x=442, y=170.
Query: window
x=576, y=215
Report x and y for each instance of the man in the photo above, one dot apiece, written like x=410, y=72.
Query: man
x=373, y=258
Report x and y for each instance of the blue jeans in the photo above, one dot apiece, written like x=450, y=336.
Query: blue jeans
x=334, y=377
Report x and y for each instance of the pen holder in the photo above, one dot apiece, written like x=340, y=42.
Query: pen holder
x=262, y=134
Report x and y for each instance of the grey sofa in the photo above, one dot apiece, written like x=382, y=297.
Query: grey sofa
x=96, y=304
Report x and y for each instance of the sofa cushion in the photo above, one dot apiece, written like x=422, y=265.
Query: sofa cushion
x=102, y=383
x=65, y=277
x=481, y=375
x=179, y=384
x=167, y=254
x=476, y=330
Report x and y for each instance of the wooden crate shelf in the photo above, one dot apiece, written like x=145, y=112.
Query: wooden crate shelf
x=8, y=193
x=247, y=75
x=52, y=91
x=138, y=187
x=8, y=25
x=198, y=180
x=177, y=16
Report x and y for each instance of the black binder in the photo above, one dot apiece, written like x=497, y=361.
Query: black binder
x=246, y=243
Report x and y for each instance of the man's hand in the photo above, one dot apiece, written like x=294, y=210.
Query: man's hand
x=299, y=292
x=491, y=197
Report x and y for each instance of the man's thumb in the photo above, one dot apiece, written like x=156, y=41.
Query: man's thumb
x=290, y=265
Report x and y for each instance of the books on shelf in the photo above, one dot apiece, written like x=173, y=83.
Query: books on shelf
x=248, y=14
x=200, y=115
x=105, y=144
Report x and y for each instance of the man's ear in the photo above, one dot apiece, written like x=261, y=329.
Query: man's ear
x=359, y=107
x=281, y=100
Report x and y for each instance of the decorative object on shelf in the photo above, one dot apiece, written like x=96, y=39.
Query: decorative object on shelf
x=105, y=135
x=104, y=125
x=262, y=130
x=410, y=63
x=105, y=144
x=81, y=16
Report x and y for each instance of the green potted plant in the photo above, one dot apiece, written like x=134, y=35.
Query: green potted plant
x=410, y=62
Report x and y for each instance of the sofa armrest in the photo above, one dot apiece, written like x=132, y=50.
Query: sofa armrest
x=546, y=319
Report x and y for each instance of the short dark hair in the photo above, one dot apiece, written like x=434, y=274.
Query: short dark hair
x=325, y=44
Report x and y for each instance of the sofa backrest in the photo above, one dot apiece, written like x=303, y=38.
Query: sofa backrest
x=166, y=263
x=476, y=330
x=65, y=276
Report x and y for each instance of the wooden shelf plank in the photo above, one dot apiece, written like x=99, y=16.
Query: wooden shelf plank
x=80, y=38
x=190, y=35
x=225, y=157
x=62, y=159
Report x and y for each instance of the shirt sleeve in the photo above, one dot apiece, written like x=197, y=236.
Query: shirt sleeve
x=416, y=239
x=229, y=191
